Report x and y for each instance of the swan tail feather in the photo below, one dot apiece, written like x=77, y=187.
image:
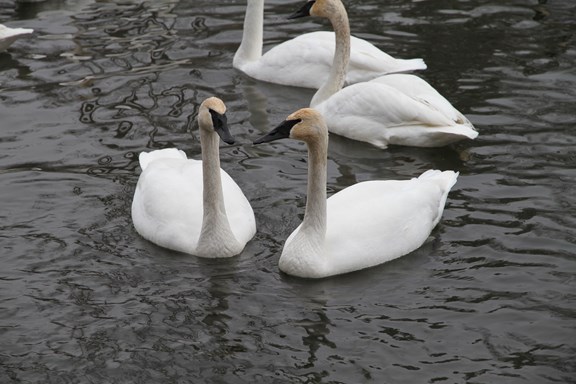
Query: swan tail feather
x=401, y=66
x=467, y=130
x=411, y=65
x=16, y=31
x=445, y=180
x=145, y=158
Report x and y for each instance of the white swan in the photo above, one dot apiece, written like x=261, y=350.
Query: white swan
x=189, y=205
x=396, y=109
x=364, y=225
x=305, y=60
x=10, y=35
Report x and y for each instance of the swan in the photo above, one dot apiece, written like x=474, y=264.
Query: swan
x=305, y=60
x=366, y=224
x=399, y=109
x=10, y=35
x=193, y=206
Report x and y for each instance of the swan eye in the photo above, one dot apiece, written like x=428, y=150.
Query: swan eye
x=304, y=11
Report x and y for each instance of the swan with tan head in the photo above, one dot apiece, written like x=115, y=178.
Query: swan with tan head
x=397, y=109
x=193, y=206
x=305, y=60
x=366, y=224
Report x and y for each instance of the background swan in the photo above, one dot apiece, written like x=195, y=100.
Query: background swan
x=10, y=35
x=363, y=225
x=189, y=205
x=305, y=60
x=396, y=109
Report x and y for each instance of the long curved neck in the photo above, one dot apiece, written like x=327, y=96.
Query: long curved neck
x=337, y=77
x=216, y=232
x=314, y=223
x=251, y=46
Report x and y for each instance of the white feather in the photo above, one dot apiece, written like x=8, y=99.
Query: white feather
x=394, y=110
x=10, y=35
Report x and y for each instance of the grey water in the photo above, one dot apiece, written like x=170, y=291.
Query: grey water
x=490, y=298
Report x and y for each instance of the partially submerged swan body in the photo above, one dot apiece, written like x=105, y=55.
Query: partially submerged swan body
x=399, y=109
x=10, y=35
x=193, y=206
x=305, y=60
x=364, y=225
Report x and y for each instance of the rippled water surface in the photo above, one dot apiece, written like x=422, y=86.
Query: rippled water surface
x=490, y=298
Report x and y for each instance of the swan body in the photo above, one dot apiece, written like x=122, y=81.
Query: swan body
x=364, y=225
x=397, y=109
x=305, y=60
x=10, y=35
x=193, y=206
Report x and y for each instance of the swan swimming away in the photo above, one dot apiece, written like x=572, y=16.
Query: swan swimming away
x=399, y=109
x=305, y=60
x=10, y=35
x=366, y=224
x=193, y=206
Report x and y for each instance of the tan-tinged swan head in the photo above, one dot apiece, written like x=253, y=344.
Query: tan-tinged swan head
x=215, y=104
x=212, y=118
x=306, y=125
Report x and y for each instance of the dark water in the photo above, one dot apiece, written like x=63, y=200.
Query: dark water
x=83, y=299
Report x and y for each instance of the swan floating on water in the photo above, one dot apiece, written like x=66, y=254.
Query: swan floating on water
x=398, y=109
x=366, y=224
x=193, y=206
x=10, y=35
x=305, y=60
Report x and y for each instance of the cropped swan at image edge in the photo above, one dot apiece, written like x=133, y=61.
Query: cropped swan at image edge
x=366, y=224
x=398, y=109
x=305, y=60
x=10, y=35
x=193, y=206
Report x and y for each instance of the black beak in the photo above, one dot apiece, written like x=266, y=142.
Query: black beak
x=220, y=122
x=302, y=12
x=280, y=132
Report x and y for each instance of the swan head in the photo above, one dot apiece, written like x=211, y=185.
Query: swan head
x=306, y=125
x=319, y=8
x=212, y=118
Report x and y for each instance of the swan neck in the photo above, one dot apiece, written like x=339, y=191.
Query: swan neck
x=252, y=36
x=215, y=220
x=337, y=76
x=314, y=222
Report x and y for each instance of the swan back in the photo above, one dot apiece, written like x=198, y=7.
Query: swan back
x=145, y=158
x=381, y=114
x=374, y=222
x=420, y=90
